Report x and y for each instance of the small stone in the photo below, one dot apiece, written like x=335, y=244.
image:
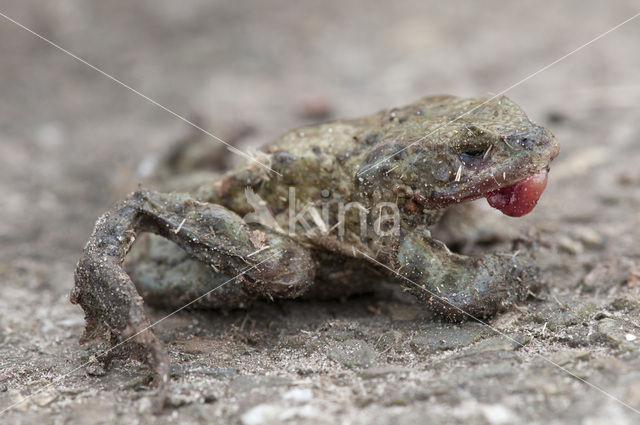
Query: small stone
x=611, y=272
x=570, y=245
x=611, y=331
x=209, y=398
x=227, y=371
x=145, y=406
x=298, y=394
x=44, y=398
x=179, y=400
x=245, y=383
x=588, y=236
x=71, y=390
x=630, y=337
x=180, y=370
x=602, y=315
x=583, y=355
x=391, y=340
x=498, y=344
x=497, y=414
x=436, y=337
x=18, y=401
x=95, y=368
x=353, y=353
x=293, y=342
x=261, y=414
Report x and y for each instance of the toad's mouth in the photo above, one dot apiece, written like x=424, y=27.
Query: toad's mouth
x=519, y=198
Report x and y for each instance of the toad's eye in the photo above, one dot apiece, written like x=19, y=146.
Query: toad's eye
x=475, y=157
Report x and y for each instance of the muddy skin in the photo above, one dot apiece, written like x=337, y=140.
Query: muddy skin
x=333, y=230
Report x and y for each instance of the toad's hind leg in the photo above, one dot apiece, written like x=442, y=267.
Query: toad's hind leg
x=167, y=277
x=263, y=261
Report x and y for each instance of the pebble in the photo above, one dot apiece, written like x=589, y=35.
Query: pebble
x=245, y=383
x=180, y=370
x=72, y=390
x=612, y=332
x=261, y=414
x=95, y=368
x=179, y=400
x=353, y=353
x=298, y=394
x=44, y=398
x=391, y=340
x=145, y=406
x=570, y=246
x=497, y=414
x=18, y=401
x=588, y=236
x=498, y=343
x=264, y=414
x=436, y=337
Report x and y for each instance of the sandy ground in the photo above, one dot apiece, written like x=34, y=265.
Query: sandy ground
x=71, y=141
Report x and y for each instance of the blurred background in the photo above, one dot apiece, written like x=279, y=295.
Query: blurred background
x=72, y=141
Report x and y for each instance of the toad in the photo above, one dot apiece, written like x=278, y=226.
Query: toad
x=327, y=209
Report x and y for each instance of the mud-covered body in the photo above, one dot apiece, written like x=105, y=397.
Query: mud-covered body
x=409, y=156
x=342, y=204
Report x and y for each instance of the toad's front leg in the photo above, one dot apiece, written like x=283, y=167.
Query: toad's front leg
x=265, y=262
x=460, y=287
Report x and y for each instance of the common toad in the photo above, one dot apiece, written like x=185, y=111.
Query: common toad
x=344, y=203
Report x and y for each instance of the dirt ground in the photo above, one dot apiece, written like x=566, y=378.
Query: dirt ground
x=72, y=142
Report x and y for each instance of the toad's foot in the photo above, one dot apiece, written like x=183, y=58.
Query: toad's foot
x=459, y=287
x=264, y=262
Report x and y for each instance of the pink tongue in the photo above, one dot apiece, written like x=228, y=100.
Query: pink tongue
x=520, y=198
